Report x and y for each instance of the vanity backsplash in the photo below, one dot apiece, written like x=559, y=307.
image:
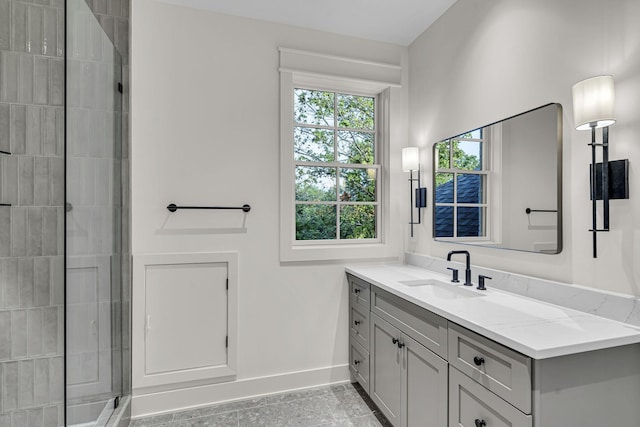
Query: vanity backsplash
x=619, y=307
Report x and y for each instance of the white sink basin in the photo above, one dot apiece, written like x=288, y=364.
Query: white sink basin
x=440, y=289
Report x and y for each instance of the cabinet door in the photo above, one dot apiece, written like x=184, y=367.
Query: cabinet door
x=472, y=405
x=425, y=378
x=386, y=369
x=184, y=318
x=186, y=307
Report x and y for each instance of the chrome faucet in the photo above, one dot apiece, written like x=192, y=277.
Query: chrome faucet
x=467, y=271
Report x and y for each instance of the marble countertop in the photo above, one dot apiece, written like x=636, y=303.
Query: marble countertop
x=537, y=329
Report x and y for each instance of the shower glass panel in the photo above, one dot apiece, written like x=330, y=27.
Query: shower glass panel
x=93, y=229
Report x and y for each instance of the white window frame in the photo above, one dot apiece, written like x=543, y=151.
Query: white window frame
x=300, y=69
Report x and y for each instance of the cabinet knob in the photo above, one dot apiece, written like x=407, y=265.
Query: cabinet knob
x=356, y=291
x=478, y=361
x=480, y=423
x=400, y=344
x=395, y=341
x=356, y=322
x=356, y=362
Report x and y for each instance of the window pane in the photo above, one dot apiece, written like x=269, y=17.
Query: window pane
x=444, y=221
x=470, y=188
x=356, y=147
x=470, y=222
x=355, y=112
x=444, y=188
x=358, y=222
x=313, y=145
x=313, y=107
x=316, y=222
x=358, y=185
x=467, y=155
x=444, y=160
x=475, y=134
x=315, y=184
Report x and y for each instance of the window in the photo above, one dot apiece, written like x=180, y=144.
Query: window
x=335, y=142
x=461, y=182
x=336, y=166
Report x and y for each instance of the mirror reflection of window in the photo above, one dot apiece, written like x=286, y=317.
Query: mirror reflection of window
x=461, y=180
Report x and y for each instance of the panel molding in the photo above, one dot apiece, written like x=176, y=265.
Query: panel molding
x=207, y=374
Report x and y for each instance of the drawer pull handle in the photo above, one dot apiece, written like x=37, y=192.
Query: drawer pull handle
x=356, y=291
x=478, y=361
x=356, y=362
x=356, y=322
x=397, y=342
x=480, y=423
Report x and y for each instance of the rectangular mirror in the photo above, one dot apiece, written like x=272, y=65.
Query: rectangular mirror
x=501, y=185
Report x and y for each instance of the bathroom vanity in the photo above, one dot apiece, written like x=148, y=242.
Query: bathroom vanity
x=433, y=353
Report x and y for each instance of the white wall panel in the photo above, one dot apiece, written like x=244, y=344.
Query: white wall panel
x=184, y=318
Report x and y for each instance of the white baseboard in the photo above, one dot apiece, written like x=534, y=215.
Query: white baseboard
x=144, y=405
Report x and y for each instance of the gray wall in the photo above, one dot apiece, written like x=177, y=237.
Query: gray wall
x=31, y=231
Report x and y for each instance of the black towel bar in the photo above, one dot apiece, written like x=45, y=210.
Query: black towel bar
x=172, y=207
x=529, y=210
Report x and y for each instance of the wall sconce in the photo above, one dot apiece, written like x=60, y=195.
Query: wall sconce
x=411, y=163
x=593, y=105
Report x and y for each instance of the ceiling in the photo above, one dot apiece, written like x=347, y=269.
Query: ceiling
x=393, y=21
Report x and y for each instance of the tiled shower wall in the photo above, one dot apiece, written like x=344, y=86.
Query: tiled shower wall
x=31, y=230
x=32, y=181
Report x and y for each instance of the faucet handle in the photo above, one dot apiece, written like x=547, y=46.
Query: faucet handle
x=455, y=274
x=481, y=282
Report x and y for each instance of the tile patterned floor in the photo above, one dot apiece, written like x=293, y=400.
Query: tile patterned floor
x=334, y=406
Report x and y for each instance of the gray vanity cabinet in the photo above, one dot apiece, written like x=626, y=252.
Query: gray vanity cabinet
x=423, y=370
x=408, y=382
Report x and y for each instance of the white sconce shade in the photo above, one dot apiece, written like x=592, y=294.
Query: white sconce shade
x=593, y=102
x=410, y=159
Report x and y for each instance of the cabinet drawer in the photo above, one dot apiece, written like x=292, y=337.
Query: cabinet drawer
x=470, y=404
x=359, y=325
x=500, y=369
x=427, y=328
x=359, y=364
x=359, y=291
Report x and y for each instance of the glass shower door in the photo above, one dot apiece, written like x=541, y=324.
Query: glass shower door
x=93, y=244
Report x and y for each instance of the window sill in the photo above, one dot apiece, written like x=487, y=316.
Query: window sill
x=342, y=252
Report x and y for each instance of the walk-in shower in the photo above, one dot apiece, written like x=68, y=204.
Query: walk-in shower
x=64, y=282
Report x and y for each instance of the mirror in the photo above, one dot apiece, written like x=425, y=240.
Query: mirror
x=501, y=185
